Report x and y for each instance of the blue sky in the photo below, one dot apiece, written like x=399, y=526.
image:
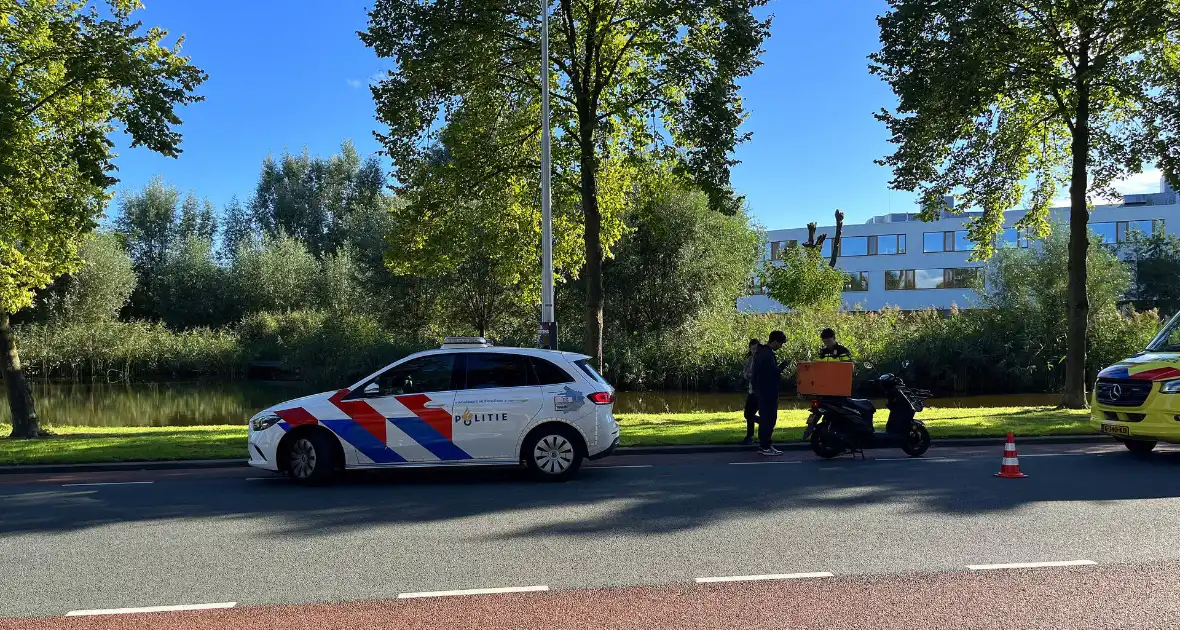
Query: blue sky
x=293, y=74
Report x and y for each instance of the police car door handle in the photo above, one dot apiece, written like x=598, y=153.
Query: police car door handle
x=434, y=405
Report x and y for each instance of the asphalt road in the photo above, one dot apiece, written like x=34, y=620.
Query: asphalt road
x=232, y=535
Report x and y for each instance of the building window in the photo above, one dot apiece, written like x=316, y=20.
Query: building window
x=856, y=281
x=776, y=249
x=1107, y=232
x=1145, y=227
x=886, y=244
x=961, y=278
x=1013, y=238
x=854, y=246
x=913, y=279
x=899, y=280
x=950, y=241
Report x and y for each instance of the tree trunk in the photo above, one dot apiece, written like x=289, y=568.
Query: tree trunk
x=836, y=240
x=594, y=293
x=20, y=398
x=1074, y=396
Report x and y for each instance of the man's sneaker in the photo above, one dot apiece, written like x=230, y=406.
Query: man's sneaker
x=748, y=441
x=770, y=452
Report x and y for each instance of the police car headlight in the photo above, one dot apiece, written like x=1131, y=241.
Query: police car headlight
x=263, y=422
x=1170, y=387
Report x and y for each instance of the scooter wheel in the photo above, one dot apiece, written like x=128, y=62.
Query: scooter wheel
x=917, y=441
x=823, y=447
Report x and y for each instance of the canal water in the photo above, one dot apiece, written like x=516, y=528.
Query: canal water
x=191, y=404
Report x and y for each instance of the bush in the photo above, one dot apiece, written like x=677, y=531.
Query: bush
x=960, y=352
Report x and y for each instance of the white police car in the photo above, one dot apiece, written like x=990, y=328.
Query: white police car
x=467, y=403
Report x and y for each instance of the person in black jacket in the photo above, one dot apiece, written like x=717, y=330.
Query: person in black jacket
x=751, y=410
x=765, y=376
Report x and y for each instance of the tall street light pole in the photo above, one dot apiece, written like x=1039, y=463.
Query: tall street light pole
x=548, y=336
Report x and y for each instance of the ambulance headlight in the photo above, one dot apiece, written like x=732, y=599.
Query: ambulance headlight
x=264, y=421
x=1170, y=387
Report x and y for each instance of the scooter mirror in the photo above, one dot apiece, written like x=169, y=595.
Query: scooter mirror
x=868, y=366
x=905, y=364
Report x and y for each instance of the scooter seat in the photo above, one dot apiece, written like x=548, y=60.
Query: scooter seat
x=866, y=406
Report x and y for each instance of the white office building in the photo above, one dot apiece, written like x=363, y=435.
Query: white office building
x=896, y=260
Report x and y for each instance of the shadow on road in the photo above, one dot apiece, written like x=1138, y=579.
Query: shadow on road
x=604, y=501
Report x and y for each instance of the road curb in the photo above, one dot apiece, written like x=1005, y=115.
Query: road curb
x=626, y=450
x=804, y=446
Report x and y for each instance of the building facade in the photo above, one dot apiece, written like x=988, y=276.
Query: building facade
x=896, y=260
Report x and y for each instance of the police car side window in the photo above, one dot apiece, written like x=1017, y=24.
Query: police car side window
x=487, y=370
x=546, y=373
x=422, y=375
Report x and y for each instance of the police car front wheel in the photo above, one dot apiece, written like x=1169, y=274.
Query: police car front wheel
x=310, y=458
x=553, y=454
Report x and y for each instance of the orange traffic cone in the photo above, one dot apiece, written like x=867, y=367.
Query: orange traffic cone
x=1010, y=465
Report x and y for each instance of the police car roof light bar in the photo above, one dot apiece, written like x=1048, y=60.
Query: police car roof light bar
x=457, y=342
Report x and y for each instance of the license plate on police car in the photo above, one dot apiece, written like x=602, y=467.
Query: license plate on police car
x=1116, y=429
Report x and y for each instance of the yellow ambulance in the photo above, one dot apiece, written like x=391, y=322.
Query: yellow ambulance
x=1137, y=400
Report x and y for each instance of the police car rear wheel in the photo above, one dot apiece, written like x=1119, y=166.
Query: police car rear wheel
x=310, y=459
x=553, y=455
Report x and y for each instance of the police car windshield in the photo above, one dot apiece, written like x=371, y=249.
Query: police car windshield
x=1169, y=338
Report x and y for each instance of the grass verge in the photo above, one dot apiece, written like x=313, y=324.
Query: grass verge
x=79, y=445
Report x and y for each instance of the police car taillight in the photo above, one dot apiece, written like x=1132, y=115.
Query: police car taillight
x=601, y=398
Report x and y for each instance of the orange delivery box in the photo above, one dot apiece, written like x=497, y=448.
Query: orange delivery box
x=825, y=378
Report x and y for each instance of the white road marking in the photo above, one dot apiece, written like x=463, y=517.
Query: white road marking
x=627, y=466
x=107, y=484
x=760, y=463
x=149, y=609
x=476, y=591
x=906, y=459
x=755, y=578
x=1031, y=565
x=1056, y=454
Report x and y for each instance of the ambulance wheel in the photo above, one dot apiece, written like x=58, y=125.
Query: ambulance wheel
x=1140, y=447
x=311, y=458
x=553, y=453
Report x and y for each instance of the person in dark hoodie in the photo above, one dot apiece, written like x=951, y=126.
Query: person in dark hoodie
x=765, y=375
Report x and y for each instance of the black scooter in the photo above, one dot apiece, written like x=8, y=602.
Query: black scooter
x=839, y=424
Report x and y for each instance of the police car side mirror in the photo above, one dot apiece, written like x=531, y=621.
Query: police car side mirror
x=372, y=389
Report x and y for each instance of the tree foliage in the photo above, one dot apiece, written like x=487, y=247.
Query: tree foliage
x=309, y=198
x=678, y=259
x=97, y=291
x=634, y=79
x=995, y=94
x=803, y=279
x=70, y=74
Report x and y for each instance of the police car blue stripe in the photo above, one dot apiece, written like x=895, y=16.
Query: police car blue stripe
x=430, y=438
x=363, y=441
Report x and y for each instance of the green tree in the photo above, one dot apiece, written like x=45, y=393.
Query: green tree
x=69, y=75
x=276, y=275
x=98, y=290
x=1155, y=260
x=634, y=79
x=192, y=289
x=1027, y=296
x=156, y=226
x=995, y=94
x=475, y=236
x=678, y=259
x=802, y=279
x=237, y=230
x=309, y=198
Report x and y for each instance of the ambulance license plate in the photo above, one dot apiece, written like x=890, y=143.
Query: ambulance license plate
x=1116, y=429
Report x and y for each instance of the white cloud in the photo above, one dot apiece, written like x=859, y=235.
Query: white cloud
x=355, y=84
x=1143, y=183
